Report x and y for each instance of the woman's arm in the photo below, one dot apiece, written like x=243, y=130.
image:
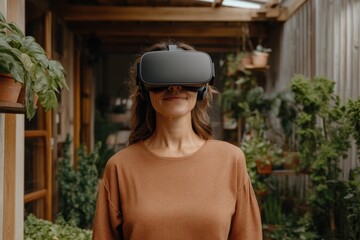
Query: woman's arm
x=246, y=221
x=108, y=217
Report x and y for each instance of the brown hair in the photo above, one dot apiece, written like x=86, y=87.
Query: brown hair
x=142, y=110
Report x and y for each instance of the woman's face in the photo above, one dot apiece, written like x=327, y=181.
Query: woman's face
x=173, y=102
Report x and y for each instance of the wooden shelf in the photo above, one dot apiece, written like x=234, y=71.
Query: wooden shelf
x=6, y=107
x=286, y=172
x=252, y=67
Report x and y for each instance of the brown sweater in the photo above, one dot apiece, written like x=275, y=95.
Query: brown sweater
x=206, y=195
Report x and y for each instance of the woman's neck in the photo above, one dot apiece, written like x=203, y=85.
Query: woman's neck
x=174, y=137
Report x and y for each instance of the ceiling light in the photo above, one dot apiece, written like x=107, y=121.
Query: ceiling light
x=237, y=3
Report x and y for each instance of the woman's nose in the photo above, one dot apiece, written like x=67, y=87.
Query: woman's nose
x=174, y=88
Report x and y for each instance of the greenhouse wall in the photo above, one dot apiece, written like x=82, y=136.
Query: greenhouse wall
x=322, y=38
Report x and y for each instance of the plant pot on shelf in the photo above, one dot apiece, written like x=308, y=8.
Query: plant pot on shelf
x=260, y=59
x=263, y=167
x=47, y=79
x=9, y=88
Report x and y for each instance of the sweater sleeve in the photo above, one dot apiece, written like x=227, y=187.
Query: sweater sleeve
x=107, y=220
x=246, y=221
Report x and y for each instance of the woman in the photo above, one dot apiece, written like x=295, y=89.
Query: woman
x=173, y=181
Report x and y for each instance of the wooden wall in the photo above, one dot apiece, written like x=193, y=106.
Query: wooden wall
x=322, y=38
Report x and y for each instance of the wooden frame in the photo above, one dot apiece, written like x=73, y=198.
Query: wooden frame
x=46, y=135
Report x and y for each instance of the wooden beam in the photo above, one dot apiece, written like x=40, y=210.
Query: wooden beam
x=35, y=195
x=167, y=31
x=175, y=14
x=135, y=49
x=150, y=41
x=136, y=44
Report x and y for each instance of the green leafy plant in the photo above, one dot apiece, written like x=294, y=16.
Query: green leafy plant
x=260, y=48
x=352, y=201
x=353, y=116
x=272, y=213
x=78, y=187
x=293, y=227
x=23, y=58
x=36, y=229
x=323, y=135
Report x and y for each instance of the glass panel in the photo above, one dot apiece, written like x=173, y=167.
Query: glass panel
x=34, y=164
x=36, y=207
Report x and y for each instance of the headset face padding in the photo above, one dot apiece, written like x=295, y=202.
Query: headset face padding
x=144, y=94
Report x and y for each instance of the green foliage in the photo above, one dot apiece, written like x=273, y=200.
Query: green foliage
x=23, y=58
x=260, y=48
x=37, y=229
x=242, y=97
x=103, y=128
x=352, y=201
x=295, y=228
x=353, y=115
x=272, y=213
x=78, y=187
x=323, y=135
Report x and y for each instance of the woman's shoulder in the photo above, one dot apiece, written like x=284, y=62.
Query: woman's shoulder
x=128, y=152
x=223, y=145
x=225, y=148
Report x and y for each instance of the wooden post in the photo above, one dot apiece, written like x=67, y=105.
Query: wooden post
x=49, y=135
x=12, y=151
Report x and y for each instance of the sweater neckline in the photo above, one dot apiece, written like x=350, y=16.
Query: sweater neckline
x=185, y=157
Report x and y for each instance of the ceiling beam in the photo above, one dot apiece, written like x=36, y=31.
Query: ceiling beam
x=135, y=49
x=167, y=31
x=175, y=14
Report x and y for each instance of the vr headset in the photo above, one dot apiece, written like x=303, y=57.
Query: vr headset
x=191, y=70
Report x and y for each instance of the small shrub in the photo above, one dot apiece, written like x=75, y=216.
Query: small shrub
x=38, y=229
x=78, y=187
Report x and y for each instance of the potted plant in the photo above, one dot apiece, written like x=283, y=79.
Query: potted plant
x=11, y=71
x=260, y=56
x=24, y=59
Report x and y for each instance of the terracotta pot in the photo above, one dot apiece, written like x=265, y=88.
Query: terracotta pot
x=21, y=98
x=9, y=88
x=263, y=168
x=260, y=59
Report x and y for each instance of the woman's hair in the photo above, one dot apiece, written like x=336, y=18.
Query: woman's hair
x=143, y=116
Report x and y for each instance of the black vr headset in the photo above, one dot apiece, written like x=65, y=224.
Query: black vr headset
x=191, y=70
